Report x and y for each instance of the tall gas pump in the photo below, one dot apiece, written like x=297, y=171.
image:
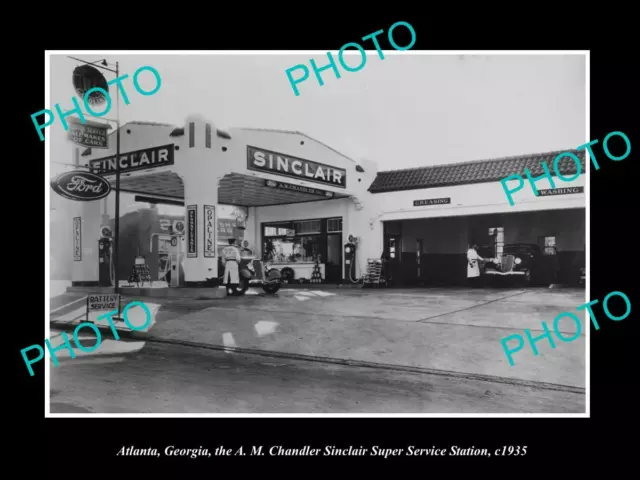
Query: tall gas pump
x=176, y=254
x=105, y=265
x=350, y=259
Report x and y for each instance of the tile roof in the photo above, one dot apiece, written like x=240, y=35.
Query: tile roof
x=479, y=171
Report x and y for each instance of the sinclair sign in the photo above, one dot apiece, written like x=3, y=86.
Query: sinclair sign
x=153, y=157
x=275, y=163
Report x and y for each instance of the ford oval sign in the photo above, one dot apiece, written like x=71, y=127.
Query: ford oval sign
x=81, y=186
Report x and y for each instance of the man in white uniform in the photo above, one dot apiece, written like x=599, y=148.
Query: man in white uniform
x=231, y=261
x=473, y=268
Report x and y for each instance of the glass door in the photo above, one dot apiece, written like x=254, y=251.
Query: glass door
x=334, y=258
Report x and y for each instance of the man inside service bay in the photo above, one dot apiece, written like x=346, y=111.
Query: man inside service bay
x=433, y=251
x=353, y=220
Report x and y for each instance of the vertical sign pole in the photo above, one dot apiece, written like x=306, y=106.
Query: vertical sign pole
x=116, y=240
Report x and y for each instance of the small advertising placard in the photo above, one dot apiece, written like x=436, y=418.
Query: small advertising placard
x=77, y=239
x=209, y=231
x=298, y=188
x=99, y=302
x=89, y=134
x=560, y=191
x=192, y=240
x=431, y=201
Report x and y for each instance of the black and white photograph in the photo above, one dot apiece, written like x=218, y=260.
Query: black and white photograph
x=395, y=233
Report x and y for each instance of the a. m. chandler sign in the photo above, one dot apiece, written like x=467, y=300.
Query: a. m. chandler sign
x=261, y=160
x=298, y=188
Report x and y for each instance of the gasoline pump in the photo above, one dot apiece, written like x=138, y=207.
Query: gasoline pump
x=350, y=259
x=105, y=262
x=176, y=254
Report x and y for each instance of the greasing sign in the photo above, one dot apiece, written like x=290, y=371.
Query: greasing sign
x=102, y=302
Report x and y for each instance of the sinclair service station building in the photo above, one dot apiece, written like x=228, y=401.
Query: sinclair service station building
x=303, y=199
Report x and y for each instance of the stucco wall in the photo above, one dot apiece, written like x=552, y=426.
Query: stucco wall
x=482, y=198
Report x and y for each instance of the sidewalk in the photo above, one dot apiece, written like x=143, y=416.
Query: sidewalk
x=109, y=350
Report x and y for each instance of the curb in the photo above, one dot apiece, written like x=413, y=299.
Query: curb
x=320, y=286
x=91, y=358
x=338, y=361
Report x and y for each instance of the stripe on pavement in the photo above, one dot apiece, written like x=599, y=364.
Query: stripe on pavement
x=323, y=294
x=72, y=315
x=70, y=303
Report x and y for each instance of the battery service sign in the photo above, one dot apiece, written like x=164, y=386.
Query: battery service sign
x=107, y=302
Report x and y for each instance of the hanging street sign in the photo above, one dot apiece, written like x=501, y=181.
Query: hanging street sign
x=81, y=186
x=88, y=134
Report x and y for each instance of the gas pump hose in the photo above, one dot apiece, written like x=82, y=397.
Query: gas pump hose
x=352, y=270
x=112, y=272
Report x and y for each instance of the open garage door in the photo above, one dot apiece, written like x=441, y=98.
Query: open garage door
x=555, y=238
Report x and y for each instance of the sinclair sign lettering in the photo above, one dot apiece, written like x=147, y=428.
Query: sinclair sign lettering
x=275, y=163
x=133, y=161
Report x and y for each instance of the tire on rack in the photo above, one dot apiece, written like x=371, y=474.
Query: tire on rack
x=288, y=275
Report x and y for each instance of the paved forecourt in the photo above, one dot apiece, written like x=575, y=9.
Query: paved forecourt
x=457, y=330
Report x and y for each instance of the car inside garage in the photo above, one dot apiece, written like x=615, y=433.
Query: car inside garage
x=433, y=251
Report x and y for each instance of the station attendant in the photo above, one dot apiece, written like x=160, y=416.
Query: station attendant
x=473, y=267
x=231, y=260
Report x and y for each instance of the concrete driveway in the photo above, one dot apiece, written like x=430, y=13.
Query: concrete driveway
x=452, y=331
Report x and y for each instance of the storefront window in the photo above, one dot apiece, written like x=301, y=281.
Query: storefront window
x=301, y=241
x=334, y=225
x=294, y=250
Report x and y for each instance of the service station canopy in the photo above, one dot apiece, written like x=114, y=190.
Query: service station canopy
x=148, y=172
x=234, y=189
